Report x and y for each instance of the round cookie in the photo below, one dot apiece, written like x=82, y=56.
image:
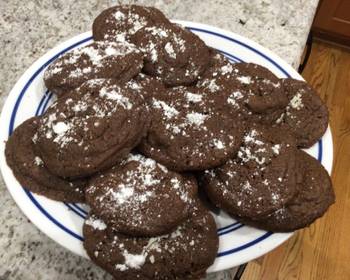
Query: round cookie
x=186, y=253
x=119, y=22
x=187, y=134
x=260, y=179
x=173, y=53
x=117, y=60
x=247, y=89
x=91, y=128
x=30, y=170
x=141, y=197
x=306, y=116
x=314, y=197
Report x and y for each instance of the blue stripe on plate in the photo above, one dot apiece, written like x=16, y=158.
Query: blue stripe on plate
x=75, y=211
x=15, y=109
x=226, y=227
x=320, y=149
x=38, y=110
x=231, y=229
x=247, y=245
x=231, y=56
x=79, y=208
x=53, y=220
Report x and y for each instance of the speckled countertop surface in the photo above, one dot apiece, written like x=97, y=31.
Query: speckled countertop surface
x=29, y=28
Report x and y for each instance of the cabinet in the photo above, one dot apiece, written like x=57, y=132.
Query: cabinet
x=332, y=21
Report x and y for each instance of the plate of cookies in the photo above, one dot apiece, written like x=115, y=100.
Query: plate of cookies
x=165, y=149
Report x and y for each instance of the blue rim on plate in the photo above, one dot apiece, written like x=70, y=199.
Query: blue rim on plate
x=81, y=212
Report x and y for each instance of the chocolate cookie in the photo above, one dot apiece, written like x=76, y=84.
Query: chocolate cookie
x=187, y=134
x=119, y=22
x=118, y=60
x=260, y=179
x=186, y=253
x=136, y=196
x=314, y=197
x=173, y=53
x=247, y=89
x=91, y=128
x=306, y=115
x=30, y=170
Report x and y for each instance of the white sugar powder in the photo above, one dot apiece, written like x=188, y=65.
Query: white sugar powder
x=244, y=79
x=192, y=97
x=132, y=261
x=170, y=50
x=233, y=97
x=80, y=107
x=157, y=32
x=38, y=161
x=169, y=112
x=149, y=180
x=113, y=94
x=60, y=128
x=212, y=86
x=296, y=102
x=226, y=69
x=196, y=118
x=276, y=148
x=96, y=223
x=218, y=144
x=122, y=194
x=118, y=15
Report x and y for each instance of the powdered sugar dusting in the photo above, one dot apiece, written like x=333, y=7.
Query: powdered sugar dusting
x=244, y=79
x=169, y=111
x=38, y=161
x=233, y=97
x=96, y=54
x=196, y=118
x=170, y=50
x=254, y=149
x=192, y=97
x=218, y=144
x=118, y=15
x=296, y=102
x=122, y=194
x=96, y=223
x=114, y=94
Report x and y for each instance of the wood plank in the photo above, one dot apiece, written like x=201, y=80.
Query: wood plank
x=321, y=251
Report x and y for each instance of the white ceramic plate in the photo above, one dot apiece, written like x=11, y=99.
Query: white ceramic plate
x=63, y=222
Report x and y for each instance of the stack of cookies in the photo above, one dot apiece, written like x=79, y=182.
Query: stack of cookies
x=147, y=112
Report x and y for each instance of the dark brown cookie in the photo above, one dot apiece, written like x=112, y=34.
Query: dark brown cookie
x=141, y=197
x=186, y=253
x=260, y=180
x=117, y=60
x=247, y=89
x=187, y=134
x=306, y=116
x=314, y=197
x=173, y=53
x=30, y=170
x=119, y=22
x=91, y=128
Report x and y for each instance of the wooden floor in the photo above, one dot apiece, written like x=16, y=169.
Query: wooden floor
x=322, y=251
